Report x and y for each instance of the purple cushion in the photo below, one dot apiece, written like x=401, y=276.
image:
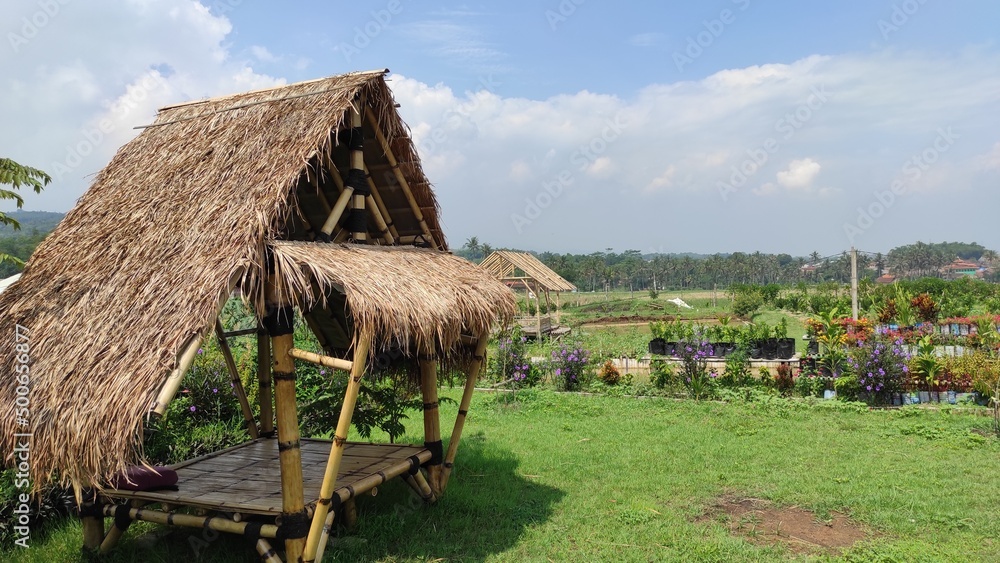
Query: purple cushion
x=142, y=478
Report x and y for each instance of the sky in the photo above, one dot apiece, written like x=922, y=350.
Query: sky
x=572, y=125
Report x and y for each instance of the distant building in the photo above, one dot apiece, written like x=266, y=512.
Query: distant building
x=885, y=279
x=962, y=269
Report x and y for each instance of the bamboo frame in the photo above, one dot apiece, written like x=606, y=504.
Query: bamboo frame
x=234, y=375
x=217, y=523
x=472, y=375
x=93, y=526
x=289, y=456
x=414, y=206
x=361, y=347
x=265, y=396
x=558, y=308
x=417, y=482
x=358, y=163
x=327, y=361
x=432, y=418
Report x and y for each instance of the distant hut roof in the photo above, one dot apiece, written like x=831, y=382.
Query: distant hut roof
x=504, y=264
x=180, y=217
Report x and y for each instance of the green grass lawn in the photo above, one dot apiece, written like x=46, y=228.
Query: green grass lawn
x=558, y=477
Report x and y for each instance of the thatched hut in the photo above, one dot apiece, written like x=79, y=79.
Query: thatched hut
x=517, y=269
x=308, y=195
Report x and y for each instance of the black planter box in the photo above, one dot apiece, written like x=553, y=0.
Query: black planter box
x=770, y=349
x=813, y=348
x=658, y=346
x=786, y=348
x=670, y=349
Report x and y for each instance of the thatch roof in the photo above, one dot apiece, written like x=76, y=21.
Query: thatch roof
x=180, y=216
x=509, y=265
x=409, y=296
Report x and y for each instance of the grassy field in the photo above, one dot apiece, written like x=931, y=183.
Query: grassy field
x=555, y=477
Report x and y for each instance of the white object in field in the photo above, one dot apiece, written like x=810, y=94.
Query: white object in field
x=5, y=283
x=531, y=295
x=679, y=302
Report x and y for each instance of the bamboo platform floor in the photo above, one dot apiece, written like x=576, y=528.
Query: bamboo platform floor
x=246, y=478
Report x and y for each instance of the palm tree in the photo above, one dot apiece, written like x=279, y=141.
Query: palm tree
x=16, y=176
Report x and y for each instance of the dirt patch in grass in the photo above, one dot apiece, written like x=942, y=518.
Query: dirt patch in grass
x=760, y=522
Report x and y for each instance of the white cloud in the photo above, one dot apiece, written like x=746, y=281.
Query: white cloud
x=991, y=160
x=664, y=180
x=62, y=85
x=766, y=189
x=800, y=174
x=263, y=55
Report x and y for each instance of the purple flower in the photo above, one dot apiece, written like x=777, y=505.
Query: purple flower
x=200, y=351
x=193, y=408
x=215, y=390
x=322, y=372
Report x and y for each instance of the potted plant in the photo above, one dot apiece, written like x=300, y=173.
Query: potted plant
x=929, y=367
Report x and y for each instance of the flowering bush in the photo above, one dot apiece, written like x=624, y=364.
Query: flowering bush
x=880, y=368
x=512, y=363
x=694, y=353
x=569, y=366
x=609, y=374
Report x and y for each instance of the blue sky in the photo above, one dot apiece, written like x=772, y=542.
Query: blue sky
x=576, y=125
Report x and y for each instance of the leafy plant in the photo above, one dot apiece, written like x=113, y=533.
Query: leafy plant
x=609, y=374
x=694, y=353
x=878, y=368
x=570, y=366
x=927, y=364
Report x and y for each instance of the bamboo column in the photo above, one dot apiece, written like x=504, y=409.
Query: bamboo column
x=326, y=492
x=538, y=312
x=558, y=308
x=264, y=395
x=280, y=324
x=432, y=418
x=463, y=409
x=358, y=224
x=173, y=383
x=92, y=521
x=234, y=375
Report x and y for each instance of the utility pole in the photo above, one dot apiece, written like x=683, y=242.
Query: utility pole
x=854, y=283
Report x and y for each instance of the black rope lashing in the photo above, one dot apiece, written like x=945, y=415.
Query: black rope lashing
x=430, y=406
x=356, y=221
x=324, y=237
x=285, y=446
x=91, y=506
x=122, y=518
x=414, y=464
x=280, y=321
x=294, y=525
x=358, y=180
x=352, y=137
x=252, y=531
x=437, y=452
x=282, y=376
x=463, y=412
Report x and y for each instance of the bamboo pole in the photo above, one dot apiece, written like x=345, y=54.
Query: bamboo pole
x=414, y=206
x=267, y=553
x=463, y=408
x=358, y=201
x=338, y=211
x=417, y=482
x=558, y=309
x=93, y=524
x=173, y=383
x=264, y=395
x=217, y=523
x=241, y=332
x=281, y=328
x=361, y=347
x=234, y=375
x=432, y=420
x=383, y=227
x=538, y=312
x=335, y=363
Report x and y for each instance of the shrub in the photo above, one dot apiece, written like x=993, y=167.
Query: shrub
x=694, y=353
x=609, y=374
x=569, y=366
x=661, y=374
x=880, y=368
x=783, y=380
x=737, y=370
x=512, y=362
x=745, y=304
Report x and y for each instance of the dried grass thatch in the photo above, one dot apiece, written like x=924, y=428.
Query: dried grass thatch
x=406, y=296
x=136, y=271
